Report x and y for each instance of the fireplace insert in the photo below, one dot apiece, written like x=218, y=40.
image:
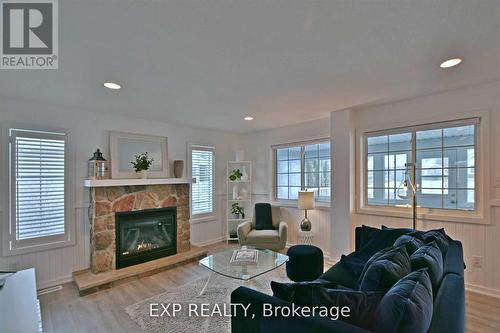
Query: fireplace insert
x=145, y=235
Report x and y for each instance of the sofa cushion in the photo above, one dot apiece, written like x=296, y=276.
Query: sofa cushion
x=263, y=217
x=384, y=238
x=440, y=237
x=300, y=292
x=263, y=236
x=356, y=261
x=362, y=305
x=372, y=259
x=411, y=243
x=342, y=275
x=364, y=234
x=407, y=307
x=381, y=273
x=437, y=235
x=429, y=256
x=378, y=240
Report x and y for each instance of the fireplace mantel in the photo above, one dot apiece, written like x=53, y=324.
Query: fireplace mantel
x=135, y=182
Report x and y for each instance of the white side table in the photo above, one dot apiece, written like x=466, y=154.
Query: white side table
x=305, y=237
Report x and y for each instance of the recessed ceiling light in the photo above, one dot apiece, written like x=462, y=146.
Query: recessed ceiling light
x=248, y=118
x=112, y=85
x=450, y=63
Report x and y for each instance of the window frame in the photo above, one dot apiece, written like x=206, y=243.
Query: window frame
x=204, y=217
x=274, y=175
x=12, y=246
x=479, y=215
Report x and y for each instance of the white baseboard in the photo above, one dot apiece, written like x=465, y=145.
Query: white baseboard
x=209, y=242
x=483, y=290
x=54, y=282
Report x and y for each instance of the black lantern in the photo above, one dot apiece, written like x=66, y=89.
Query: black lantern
x=98, y=167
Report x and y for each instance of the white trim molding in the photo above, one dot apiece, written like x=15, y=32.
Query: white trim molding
x=54, y=282
x=209, y=242
x=482, y=290
x=204, y=217
x=483, y=211
x=132, y=182
x=274, y=170
x=115, y=137
x=11, y=246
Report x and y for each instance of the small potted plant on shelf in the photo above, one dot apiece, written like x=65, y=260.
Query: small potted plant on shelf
x=237, y=210
x=142, y=164
x=235, y=175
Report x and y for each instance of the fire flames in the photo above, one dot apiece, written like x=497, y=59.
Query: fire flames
x=146, y=246
x=142, y=246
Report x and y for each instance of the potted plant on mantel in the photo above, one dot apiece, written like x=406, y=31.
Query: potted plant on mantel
x=142, y=163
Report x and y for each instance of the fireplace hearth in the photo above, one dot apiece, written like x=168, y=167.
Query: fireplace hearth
x=145, y=235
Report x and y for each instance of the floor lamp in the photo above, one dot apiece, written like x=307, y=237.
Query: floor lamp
x=409, y=182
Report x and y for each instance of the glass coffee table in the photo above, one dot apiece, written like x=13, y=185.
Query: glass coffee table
x=224, y=263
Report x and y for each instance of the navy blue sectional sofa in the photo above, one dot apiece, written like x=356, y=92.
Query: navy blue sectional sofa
x=448, y=301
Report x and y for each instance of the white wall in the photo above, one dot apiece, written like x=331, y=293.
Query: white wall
x=257, y=147
x=342, y=175
x=88, y=131
x=478, y=240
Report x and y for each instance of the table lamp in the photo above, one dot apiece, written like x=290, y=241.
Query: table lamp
x=306, y=201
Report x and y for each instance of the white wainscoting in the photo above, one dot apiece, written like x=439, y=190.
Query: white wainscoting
x=56, y=266
x=320, y=219
x=211, y=231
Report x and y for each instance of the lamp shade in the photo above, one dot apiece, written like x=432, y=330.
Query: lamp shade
x=306, y=200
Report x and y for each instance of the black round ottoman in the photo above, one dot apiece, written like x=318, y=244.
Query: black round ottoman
x=305, y=263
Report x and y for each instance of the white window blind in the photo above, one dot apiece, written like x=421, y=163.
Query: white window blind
x=38, y=162
x=202, y=168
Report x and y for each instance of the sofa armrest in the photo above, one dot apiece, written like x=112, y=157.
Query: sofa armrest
x=283, y=233
x=243, y=230
x=255, y=322
x=449, y=306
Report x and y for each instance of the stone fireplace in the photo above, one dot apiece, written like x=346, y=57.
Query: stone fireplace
x=108, y=202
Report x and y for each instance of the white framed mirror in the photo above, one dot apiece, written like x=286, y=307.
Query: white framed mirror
x=125, y=146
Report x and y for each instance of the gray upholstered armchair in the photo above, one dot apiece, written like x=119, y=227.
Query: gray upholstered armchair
x=272, y=238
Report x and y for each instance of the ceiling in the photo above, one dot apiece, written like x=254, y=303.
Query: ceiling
x=210, y=63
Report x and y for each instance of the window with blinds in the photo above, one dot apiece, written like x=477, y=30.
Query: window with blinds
x=38, y=178
x=202, y=168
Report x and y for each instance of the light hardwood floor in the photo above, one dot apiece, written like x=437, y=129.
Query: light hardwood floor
x=65, y=311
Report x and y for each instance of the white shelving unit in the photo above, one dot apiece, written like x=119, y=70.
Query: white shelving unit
x=240, y=192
